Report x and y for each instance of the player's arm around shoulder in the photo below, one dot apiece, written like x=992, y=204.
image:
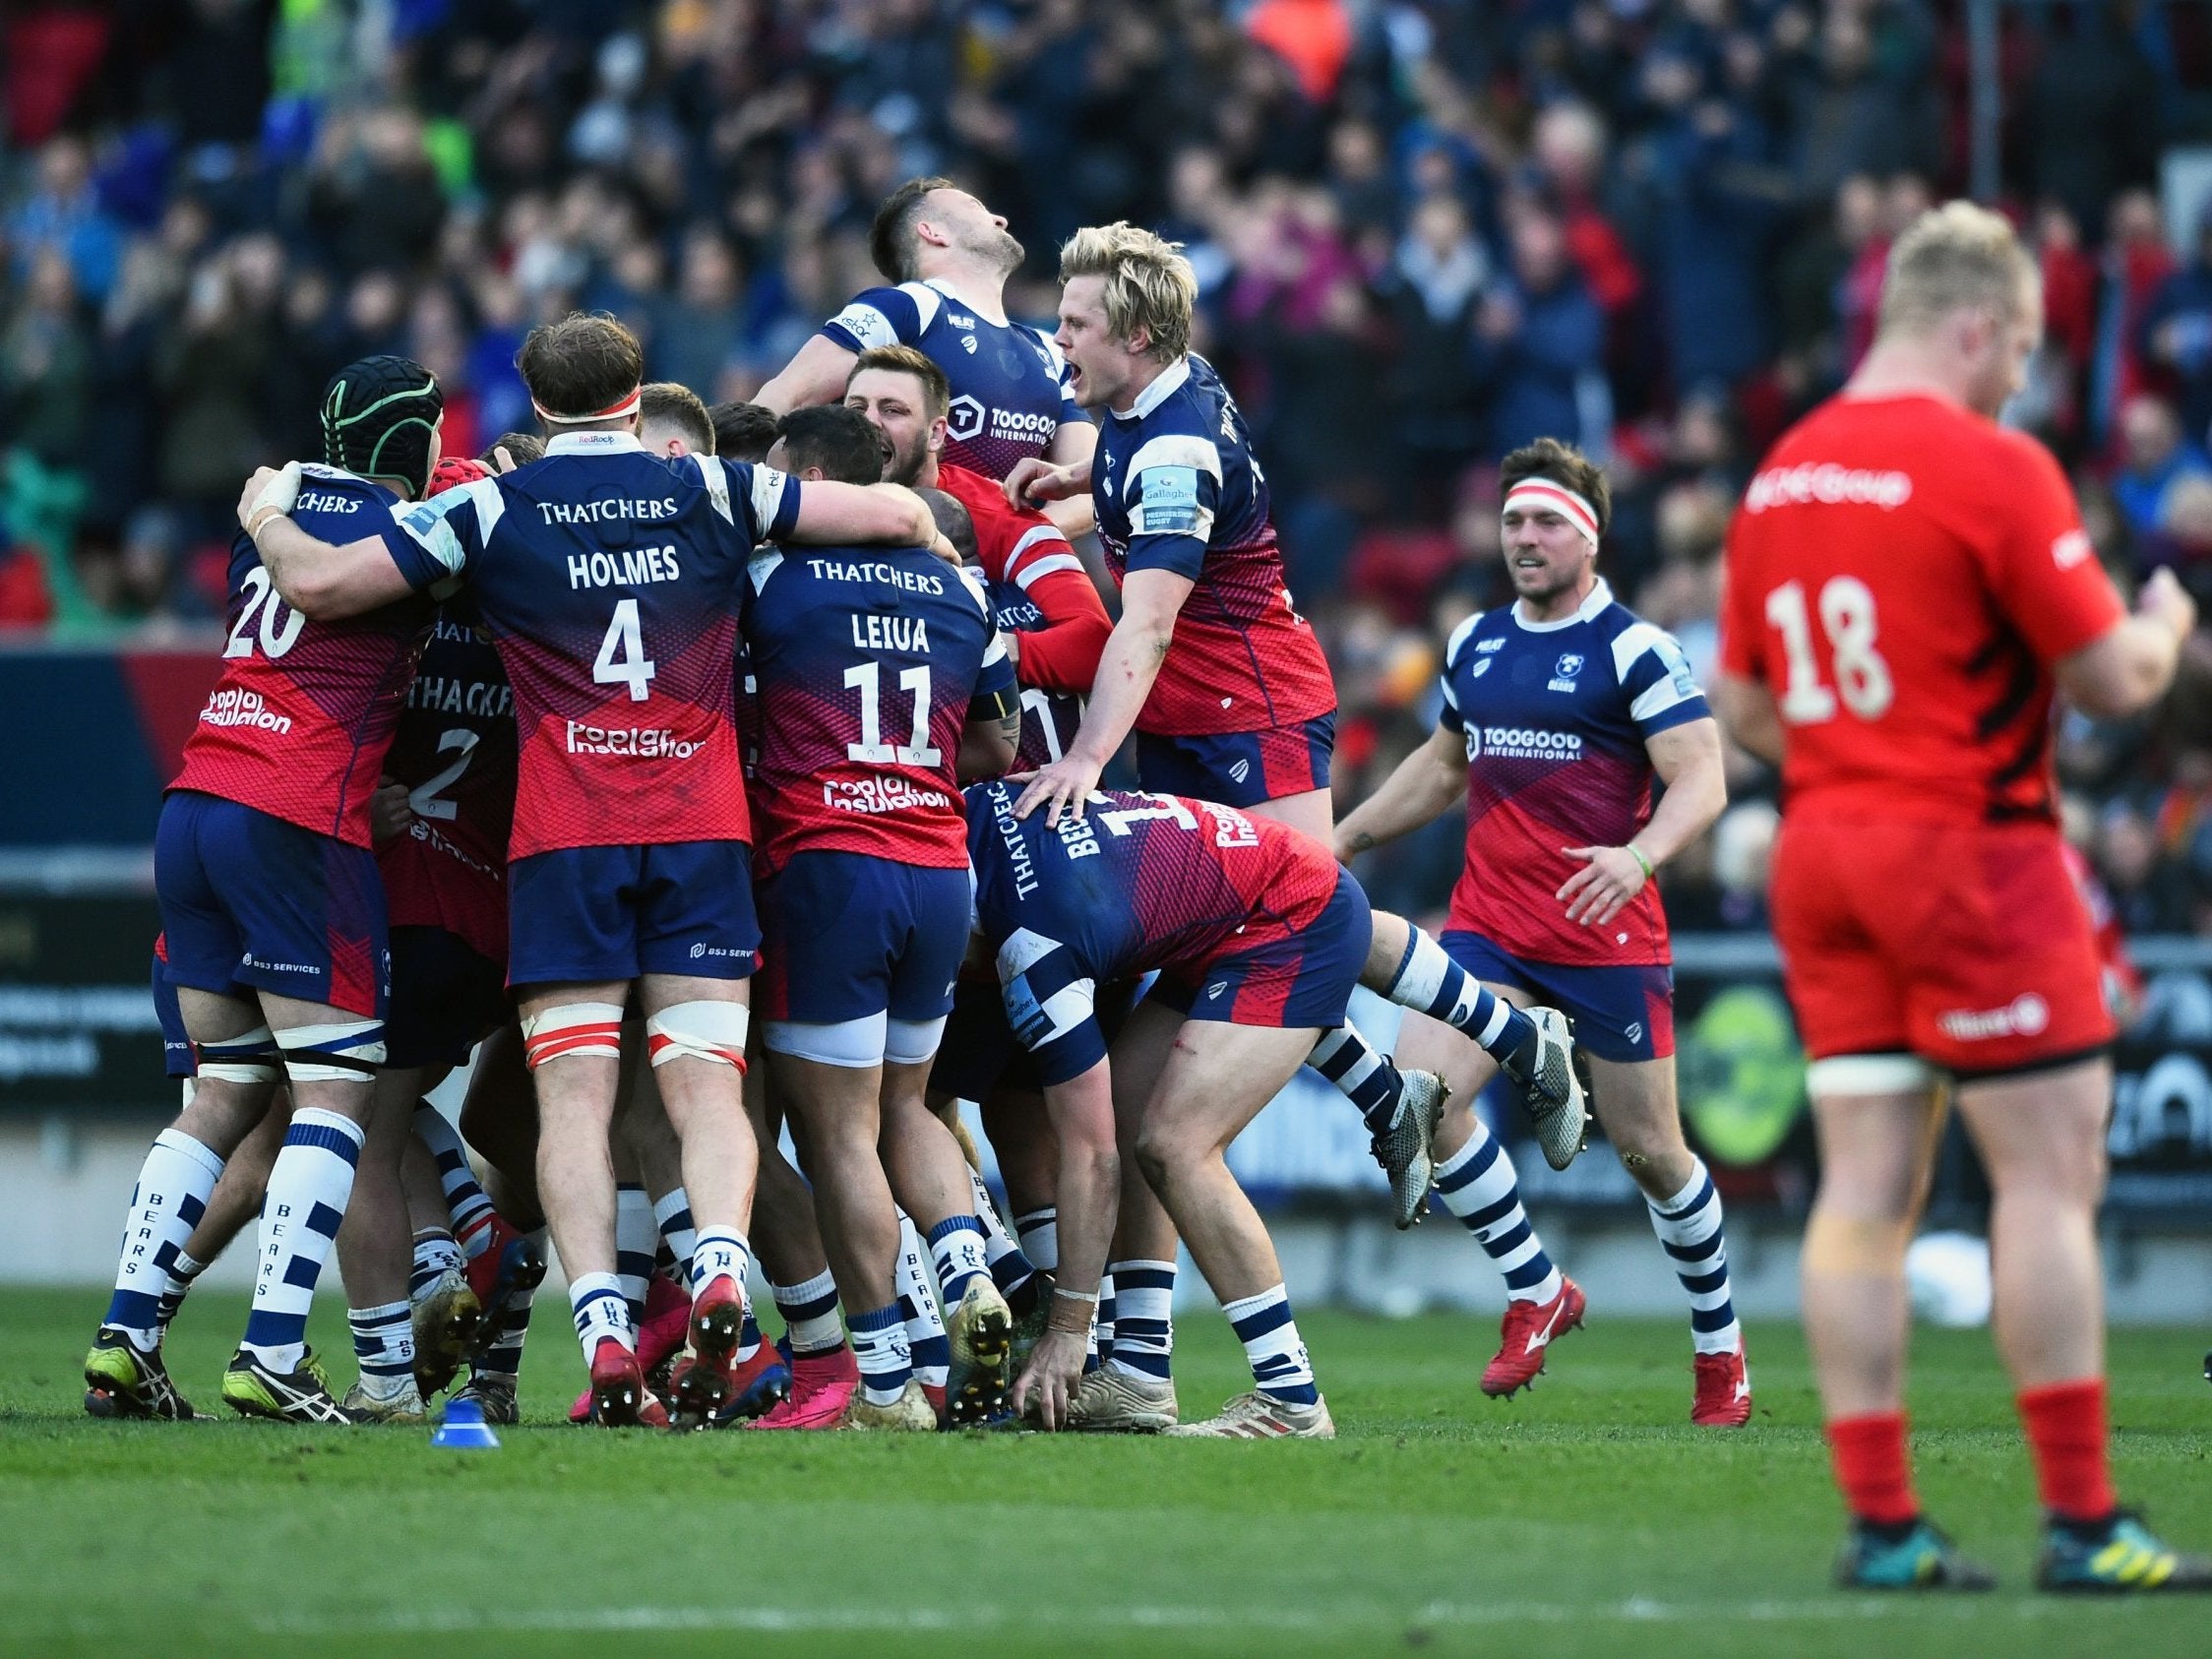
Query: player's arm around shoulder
x=865, y=516
x=992, y=734
x=323, y=582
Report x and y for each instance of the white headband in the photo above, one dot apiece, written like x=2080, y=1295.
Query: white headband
x=625, y=406
x=1532, y=494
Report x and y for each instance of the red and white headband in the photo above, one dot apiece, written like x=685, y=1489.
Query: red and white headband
x=620, y=409
x=1532, y=495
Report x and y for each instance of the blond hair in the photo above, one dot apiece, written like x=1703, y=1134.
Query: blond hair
x=1149, y=285
x=1951, y=257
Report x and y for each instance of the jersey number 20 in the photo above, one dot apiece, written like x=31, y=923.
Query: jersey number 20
x=1847, y=618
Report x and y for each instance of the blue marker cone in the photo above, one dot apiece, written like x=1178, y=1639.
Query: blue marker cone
x=465, y=1429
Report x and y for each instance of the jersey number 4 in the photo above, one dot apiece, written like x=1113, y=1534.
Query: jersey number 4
x=867, y=678
x=622, y=657
x=1847, y=618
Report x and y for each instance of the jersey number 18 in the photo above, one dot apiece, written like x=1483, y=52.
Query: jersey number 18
x=1847, y=618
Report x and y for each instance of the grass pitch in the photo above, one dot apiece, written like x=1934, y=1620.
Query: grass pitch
x=1584, y=1518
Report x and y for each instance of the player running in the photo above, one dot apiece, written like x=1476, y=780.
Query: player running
x=1218, y=675
x=950, y=257
x=273, y=913
x=1909, y=585
x=1558, y=713
x=609, y=579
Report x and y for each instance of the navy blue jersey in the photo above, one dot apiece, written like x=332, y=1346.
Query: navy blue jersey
x=1554, y=715
x=1177, y=488
x=1009, y=383
x=299, y=722
x=864, y=662
x=1140, y=882
x=610, y=580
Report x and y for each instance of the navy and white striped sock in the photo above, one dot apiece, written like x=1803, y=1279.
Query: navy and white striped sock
x=1039, y=1233
x=720, y=1253
x=1280, y=1368
x=1009, y=1268
x=504, y=1356
x=636, y=1237
x=184, y=1268
x=174, y=1183
x=1691, y=1230
x=929, y=1350
x=383, y=1344
x=957, y=1247
x=1430, y=981
x=879, y=1345
x=434, y=1253
x=1361, y=1075
x=672, y=1210
x=601, y=1314
x=810, y=1314
x=309, y=1185
x=1477, y=1185
x=1143, y=1339
x=467, y=1202
x=1100, y=1347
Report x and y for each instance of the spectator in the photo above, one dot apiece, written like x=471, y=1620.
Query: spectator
x=2154, y=455
x=2175, y=331
x=1539, y=344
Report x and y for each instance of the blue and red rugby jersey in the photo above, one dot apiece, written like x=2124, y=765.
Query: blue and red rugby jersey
x=298, y=724
x=865, y=661
x=1009, y=383
x=610, y=580
x=1140, y=882
x=1177, y=488
x=1554, y=717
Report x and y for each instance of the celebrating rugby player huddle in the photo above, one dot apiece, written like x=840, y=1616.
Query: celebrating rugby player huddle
x=579, y=757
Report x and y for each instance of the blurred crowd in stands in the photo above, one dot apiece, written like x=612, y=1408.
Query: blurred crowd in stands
x=1426, y=230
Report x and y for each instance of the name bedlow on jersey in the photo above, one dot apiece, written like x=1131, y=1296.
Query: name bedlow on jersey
x=1554, y=718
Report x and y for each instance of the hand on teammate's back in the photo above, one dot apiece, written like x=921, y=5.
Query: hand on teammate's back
x=1061, y=788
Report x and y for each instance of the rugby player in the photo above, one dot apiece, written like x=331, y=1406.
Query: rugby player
x=273, y=913
x=1221, y=679
x=1053, y=622
x=879, y=676
x=1908, y=589
x=1558, y=712
x=950, y=257
x=609, y=579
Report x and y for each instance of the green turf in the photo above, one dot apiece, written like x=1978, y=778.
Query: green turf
x=1585, y=1518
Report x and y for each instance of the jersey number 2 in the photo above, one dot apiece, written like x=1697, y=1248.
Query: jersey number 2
x=867, y=678
x=1847, y=618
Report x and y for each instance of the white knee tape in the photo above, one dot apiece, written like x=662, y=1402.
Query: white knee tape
x=1868, y=1074
x=699, y=1032
x=344, y=1050
x=250, y=1057
x=585, y=1029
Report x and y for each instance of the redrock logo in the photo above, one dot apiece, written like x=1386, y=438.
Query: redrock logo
x=1827, y=484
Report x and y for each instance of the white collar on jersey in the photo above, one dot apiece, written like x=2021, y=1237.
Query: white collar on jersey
x=592, y=443
x=1160, y=392
x=1600, y=596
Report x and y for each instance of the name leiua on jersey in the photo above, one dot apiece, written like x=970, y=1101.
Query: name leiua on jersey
x=1009, y=384
x=454, y=750
x=1015, y=549
x=1554, y=717
x=865, y=661
x=610, y=580
x=300, y=719
x=1177, y=488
